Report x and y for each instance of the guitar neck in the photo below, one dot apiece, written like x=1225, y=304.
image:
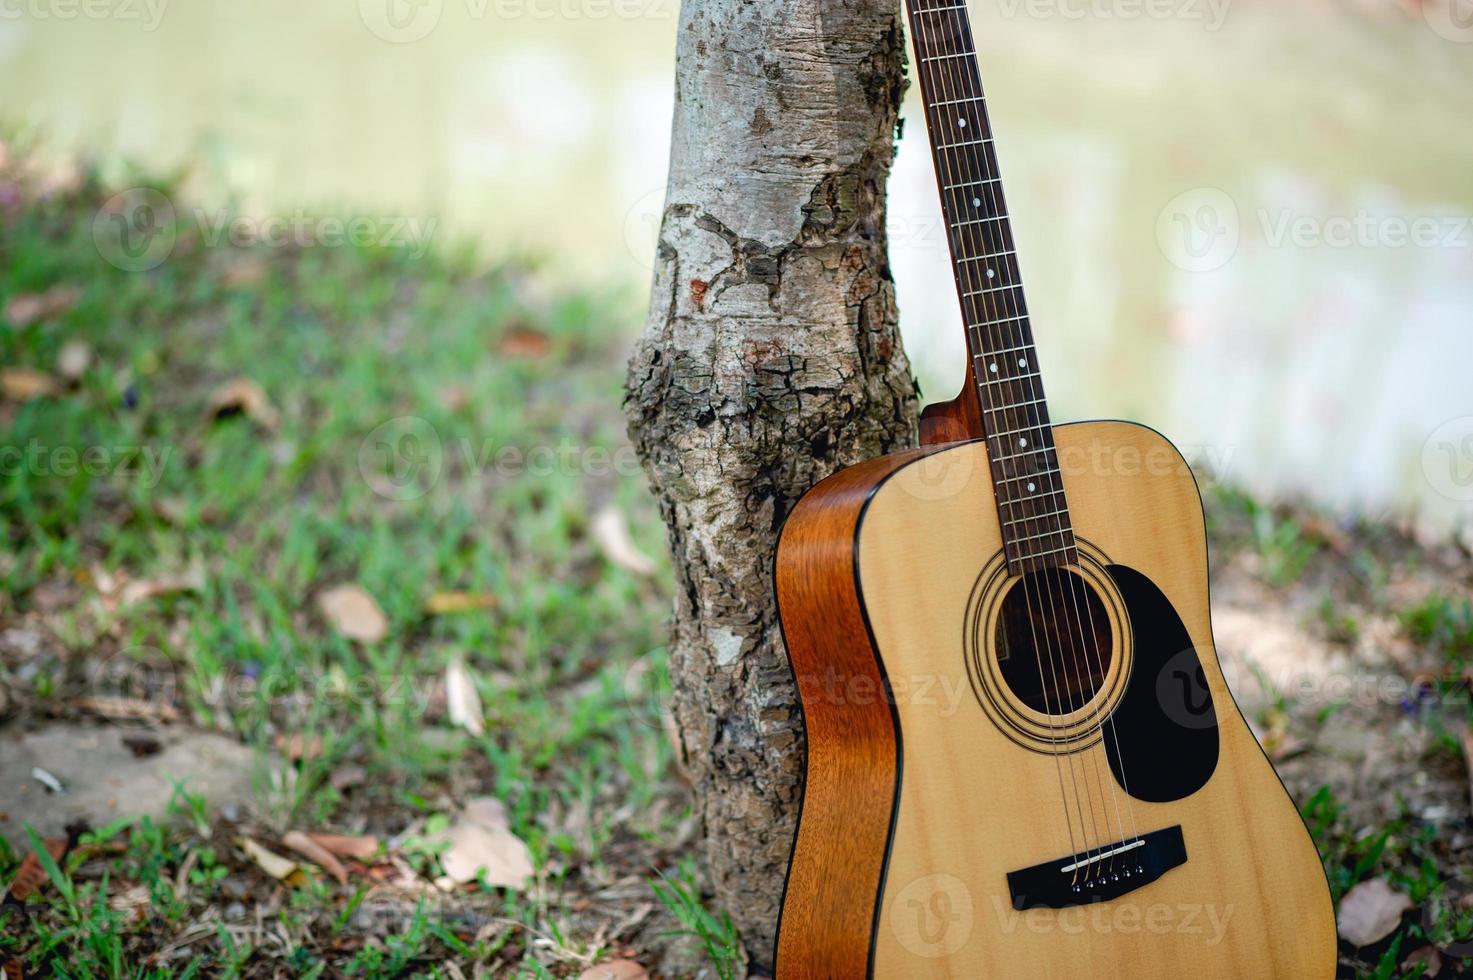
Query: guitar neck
x=1032, y=511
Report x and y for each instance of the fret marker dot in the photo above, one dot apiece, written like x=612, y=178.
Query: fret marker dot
x=1022, y=362
x=962, y=123
x=1031, y=487
x=990, y=273
x=1022, y=442
x=976, y=202
x=992, y=367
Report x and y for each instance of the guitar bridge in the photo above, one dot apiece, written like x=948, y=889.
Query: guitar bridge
x=1099, y=874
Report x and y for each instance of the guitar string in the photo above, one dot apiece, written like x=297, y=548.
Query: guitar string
x=946, y=134
x=1080, y=606
x=1002, y=307
x=1033, y=383
x=939, y=139
x=1034, y=599
x=943, y=171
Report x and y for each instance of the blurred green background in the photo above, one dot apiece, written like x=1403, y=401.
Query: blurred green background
x=1246, y=223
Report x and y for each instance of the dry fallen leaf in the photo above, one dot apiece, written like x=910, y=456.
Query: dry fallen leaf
x=298, y=746
x=454, y=397
x=131, y=709
x=242, y=396
x=359, y=847
x=27, y=308
x=31, y=875
x=1428, y=956
x=461, y=700
x=141, y=589
x=353, y=613
x=1370, y=911
x=480, y=845
x=1275, y=737
x=134, y=901
x=615, y=970
x=458, y=602
x=245, y=270
x=273, y=864
x=347, y=776
x=175, y=510
x=1327, y=531
x=23, y=384
x=524, y=342
x=73, y=359
x=316, y=853
x=612, y=534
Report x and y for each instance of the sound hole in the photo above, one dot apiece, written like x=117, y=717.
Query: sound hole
x=1053, y=640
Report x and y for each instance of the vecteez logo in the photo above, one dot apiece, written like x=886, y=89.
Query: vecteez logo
x=400, y=21
x=149, y=12
x=1447, y=459
x=1199, y=230
x=136, y=229
x=402, y=458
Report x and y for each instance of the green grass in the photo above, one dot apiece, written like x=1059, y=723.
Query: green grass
x=360, y=351
x=1444, y=623
x=436, y=426
x=680, y=894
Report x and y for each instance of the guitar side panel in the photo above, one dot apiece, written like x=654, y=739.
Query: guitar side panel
x=1250, y=901
x=852, y=760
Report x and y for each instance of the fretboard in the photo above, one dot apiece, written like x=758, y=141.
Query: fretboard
x=1025, y=468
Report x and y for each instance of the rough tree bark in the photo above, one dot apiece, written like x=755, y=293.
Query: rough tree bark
x=770, y=359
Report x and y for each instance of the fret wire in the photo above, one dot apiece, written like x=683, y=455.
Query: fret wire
x=1030, y=499
x=1027, y=476
x=1038, y=517
x=1052, y=551
x=1015, y=324
x=1013, y=432
x=976, y=221
x=1019, y=315
x=1065, y=530
x=999, y=353
x=990, y=289
x=1001, y=350
x=1000, y=307
x=972, y=183
x=1044, y=450
x=993, y=323
x=1001, y=379
x=1033, y=401
x=974, y=98
x=951, y=146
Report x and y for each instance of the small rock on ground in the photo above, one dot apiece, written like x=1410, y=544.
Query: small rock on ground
x=105, y=780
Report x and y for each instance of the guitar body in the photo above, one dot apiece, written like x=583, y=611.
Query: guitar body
x=941, y=802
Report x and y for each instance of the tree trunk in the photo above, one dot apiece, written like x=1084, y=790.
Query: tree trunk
x=770, y=359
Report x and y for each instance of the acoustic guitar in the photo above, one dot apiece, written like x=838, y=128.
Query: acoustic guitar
x=1022, y=757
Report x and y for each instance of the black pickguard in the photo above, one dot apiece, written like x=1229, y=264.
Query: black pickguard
x=1164, y=743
